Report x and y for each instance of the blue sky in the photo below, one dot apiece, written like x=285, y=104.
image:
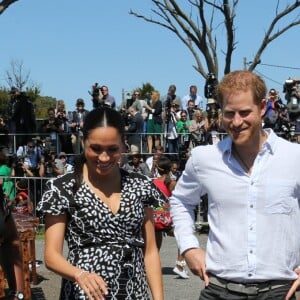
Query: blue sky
x=69, y=45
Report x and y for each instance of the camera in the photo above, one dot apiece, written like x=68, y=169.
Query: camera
x=292, y=95
x=96, y=94
x=210, y=86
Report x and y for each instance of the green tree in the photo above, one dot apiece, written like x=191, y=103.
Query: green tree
x=4, y=98
x=200, y=24
x=146, y=90
x=42, y=103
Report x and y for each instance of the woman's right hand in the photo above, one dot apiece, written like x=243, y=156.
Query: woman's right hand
x=93, y=285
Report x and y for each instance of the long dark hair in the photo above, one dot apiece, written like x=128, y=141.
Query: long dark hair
x=97, y=118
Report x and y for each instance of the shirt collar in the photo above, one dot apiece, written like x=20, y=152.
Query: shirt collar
x=269, y=145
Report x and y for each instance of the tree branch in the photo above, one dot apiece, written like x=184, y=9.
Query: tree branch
x=5, y=4
x=197, y=31
x=270, y=36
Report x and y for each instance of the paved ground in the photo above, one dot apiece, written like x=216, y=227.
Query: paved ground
x=174, y=287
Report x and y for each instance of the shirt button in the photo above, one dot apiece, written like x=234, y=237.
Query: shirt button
x=249, y=275
x=251, y=251
x=251, y=205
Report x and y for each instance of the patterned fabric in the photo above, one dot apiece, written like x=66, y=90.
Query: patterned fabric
x=101, y=242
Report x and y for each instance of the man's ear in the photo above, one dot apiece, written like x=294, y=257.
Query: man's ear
x=263, y=107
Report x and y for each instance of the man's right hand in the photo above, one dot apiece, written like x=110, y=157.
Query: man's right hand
x=195, y=259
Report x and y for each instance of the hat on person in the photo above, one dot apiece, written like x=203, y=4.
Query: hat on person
x=80, y=101
x=176, y=102
x=135, y=154
x=211, y=101
x=22, y=184
x=37, y=138
x=62, y=154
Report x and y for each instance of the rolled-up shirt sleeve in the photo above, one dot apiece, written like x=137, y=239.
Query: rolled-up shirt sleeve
x=183, y=201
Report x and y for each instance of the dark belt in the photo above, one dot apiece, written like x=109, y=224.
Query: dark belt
x=248, y=288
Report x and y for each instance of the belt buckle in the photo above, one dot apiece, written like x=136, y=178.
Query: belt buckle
x=243, y=289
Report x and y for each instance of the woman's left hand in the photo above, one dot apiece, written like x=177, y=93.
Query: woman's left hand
x=93, y=285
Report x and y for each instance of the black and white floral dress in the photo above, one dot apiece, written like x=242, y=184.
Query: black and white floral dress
x=99, y=241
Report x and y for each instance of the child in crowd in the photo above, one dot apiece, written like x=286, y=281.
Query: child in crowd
x=23, y=204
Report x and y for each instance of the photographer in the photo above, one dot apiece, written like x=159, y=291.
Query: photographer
x=96, y=95
x=170, y=98
x=76, y=124
x=64, y=136
x=210, y=92
x=52, y=127
x=28, y=158
x=271, y=111
x=292, y=95
x=170, y=132
x=210, y=86
x=24, y=117
x=134, y=130
x=107, y=99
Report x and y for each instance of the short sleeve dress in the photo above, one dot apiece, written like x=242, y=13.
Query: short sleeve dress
x=100, y=241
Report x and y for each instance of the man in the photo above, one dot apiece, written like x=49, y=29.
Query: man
x=191, y=109
x=52, y=127
x=194, y=97
x=253, y=184
x=76, y=124
x=135, y=129
x=136, y=101
x=61, y=164
x=107, y=99
x=136, y=164
x=23, y=116
x=151, y=160
x=271, y=114
x=31, y=156
x=170, y=130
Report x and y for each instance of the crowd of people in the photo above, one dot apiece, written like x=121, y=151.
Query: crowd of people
x=101, y=187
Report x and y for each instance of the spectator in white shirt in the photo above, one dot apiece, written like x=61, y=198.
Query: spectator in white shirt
x=192, y=96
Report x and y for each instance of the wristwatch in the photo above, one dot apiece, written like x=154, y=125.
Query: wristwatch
x=18, y=295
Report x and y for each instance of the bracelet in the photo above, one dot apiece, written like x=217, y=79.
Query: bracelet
x=79, y=274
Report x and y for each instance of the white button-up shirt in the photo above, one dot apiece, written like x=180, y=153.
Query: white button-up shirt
x=254, y=219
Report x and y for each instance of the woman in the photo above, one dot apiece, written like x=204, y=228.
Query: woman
x=106, y=217
x=198, y=129
x=165, y=184
x=5, y=176
x=154, y=121
x=10, y=255
x=183, y=129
